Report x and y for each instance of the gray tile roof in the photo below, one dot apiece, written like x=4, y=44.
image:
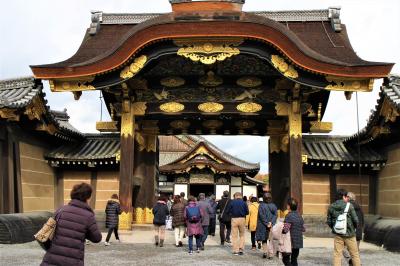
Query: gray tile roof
x=391, y=90
x=94, y=147
x=280, y=16
x=18, y=93
x=334, y=149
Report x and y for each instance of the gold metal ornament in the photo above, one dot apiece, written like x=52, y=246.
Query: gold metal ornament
x=83, y=84
x=210, y=107
x=245, y=124
x=172, y=107
x=172, y=82
x=118, y=156
x=304, y=158
x=207, y=52
x=134, y=68
x=249, y=107
x=107, y=126
x=36, y=109
x=285, y=68
x=138, y=108
x=249, y=82
x=211, y=80
x=9, y=114
x=180, y=124
x=349, y=84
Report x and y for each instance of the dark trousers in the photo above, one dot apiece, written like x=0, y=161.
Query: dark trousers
x=205, y=235
x=225, y=237
x=291, y=259
x=211, y=228
x=198, y=242
x=110, y=230
x=253, y=239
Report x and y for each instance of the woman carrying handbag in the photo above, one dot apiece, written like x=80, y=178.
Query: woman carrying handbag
x=75, y=223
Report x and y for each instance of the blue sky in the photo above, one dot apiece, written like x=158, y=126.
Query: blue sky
x=48, y=31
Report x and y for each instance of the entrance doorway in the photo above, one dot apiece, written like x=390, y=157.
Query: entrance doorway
x=195, y=190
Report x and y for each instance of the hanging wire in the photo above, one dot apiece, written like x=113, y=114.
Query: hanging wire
x=359, y=151
x=101, y=106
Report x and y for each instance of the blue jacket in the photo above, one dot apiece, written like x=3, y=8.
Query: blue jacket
x=237, y=208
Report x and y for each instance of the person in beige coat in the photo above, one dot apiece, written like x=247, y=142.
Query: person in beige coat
x=252, y=220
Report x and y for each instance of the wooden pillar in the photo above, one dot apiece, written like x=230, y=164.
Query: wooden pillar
x=295, y=149
x=59, y=194
x=93, y=184
x=279, y=174
x=126, y=165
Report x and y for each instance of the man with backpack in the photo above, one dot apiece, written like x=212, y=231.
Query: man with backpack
x=224, y=218
x=342, y=219
x=193, y=215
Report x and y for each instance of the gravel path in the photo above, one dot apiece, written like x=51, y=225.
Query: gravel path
x=147, y=254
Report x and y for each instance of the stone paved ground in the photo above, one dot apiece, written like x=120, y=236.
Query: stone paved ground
x=138, y=250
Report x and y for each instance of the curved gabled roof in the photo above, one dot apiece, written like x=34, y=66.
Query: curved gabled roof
x=313, y=44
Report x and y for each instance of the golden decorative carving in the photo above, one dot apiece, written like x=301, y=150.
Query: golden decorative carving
x=36, y=109
x=245, y=124
x=249, y=82
x=282, y=108
x=210, y=107
x=210, y=80
x=295, y=129
x=388, y=111
x=134, y=68
x=181, y=180
x=172, y=107
x=251, y=94
x=180, y=124
x=140, y=217
x=127, y=124
x=149, y=215
x=207, y=52
x=118, y=156
x=9, y=114
x=249, y=107
x=304, y=158
x=213, y=125
x=83, y=84
x=172, y=82
x=106, y=126
x=163, y=95
x=286, y=69
x=146, y=141
x=51, y=129
x=125, y=221
x=138, y=108
x=279, y=143
x=320, y=127
x=349, y=84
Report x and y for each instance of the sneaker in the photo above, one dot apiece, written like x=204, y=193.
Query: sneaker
x=241, y=253
x=180, y=244
x=259, y=245
x=228, y=241
x=253, y=248
x=106, y=243
x=190, y=252
x=236, y=253
x=198, y=250
x=222, y=243
x=264, y=255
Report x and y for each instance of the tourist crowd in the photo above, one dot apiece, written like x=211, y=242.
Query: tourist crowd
x=276, y=233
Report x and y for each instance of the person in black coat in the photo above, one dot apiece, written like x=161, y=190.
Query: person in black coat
x=160, y=212
x=294, y=224
x=113, y=210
